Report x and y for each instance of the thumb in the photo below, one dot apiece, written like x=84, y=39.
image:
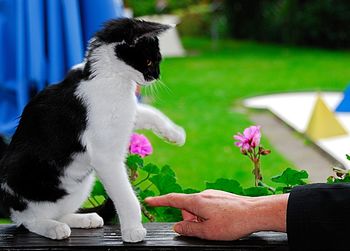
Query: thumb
x=189, y=228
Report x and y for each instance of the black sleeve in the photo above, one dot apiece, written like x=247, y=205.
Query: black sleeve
x=318, y=217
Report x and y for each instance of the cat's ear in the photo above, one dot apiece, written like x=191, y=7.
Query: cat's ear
x=148, y=29
x=129, y=30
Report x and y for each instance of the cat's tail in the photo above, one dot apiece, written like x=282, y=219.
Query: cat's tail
x=3, y=147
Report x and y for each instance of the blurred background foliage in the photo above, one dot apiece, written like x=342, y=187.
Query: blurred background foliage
x=324, y=23
x=320, y=23
x=148, y=7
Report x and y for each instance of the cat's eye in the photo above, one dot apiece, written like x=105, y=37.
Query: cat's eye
x=149, y=63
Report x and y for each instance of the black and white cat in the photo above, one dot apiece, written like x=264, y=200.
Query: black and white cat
x=81, y=126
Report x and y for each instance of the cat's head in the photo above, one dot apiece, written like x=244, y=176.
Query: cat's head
x=134, y=45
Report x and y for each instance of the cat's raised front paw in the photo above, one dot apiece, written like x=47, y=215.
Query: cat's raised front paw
x=176, y=135
x=58, y=232
x=134, y=234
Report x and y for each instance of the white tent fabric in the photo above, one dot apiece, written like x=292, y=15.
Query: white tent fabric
x=169, y=42
x=295, y=110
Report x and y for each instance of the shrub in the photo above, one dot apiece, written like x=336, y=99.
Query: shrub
x=324, y=23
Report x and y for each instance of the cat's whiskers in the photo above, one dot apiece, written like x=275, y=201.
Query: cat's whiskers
x=163, y=86
x=154, y=91
x=155, y=88
x=146, y=91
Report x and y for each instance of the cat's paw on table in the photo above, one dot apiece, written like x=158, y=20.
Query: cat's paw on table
x=134, y=234
x=58, y=231
x=92, y=220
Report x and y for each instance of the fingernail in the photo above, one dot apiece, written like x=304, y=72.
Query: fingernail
x=177, y=228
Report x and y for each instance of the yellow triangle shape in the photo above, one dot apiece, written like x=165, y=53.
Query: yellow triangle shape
x=323, y=123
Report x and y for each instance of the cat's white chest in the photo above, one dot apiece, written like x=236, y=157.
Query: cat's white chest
x=111, y=110
x=108, y=101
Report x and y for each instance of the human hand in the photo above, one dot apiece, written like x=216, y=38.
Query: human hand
x=218, y=215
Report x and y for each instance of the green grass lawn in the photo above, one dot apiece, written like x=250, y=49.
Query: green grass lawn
x=206, y=88
x=4, y=221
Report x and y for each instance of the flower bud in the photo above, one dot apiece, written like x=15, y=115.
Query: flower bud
x=134, y=175
x=265, y=152
x=340, y=175
x=244, y=152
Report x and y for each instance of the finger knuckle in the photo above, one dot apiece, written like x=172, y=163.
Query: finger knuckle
x=192, y=198
x=208, y=191
x=200, y=202
x=201, y=198
x=187, y=229
x=171, y=196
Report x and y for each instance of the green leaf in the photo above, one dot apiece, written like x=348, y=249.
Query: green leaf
x=286, y=189
x=134, y=161
x=151, y=169
x=172, y=214
x=348, y=156
x=165, y=181
x=146, y=193
x=291, y=177
x=346, y=179
x=280, y=189
x=165, y=184
x=166, y=214
x=98, y=189
x=256, y=191
x=190, y=190
x=231, y=186
x=330, y=180
x=166, y=170
x=334, y=180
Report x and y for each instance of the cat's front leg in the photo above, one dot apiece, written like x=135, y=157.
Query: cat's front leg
x=148, y=117
x=112, y=173
x=91, y=220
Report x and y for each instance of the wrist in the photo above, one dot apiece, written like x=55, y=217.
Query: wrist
x=270, y=213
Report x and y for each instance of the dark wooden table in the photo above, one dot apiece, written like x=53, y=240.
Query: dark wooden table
x=159, y=237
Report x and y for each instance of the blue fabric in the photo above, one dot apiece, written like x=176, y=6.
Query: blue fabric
x=40, y=40
x=344, y=105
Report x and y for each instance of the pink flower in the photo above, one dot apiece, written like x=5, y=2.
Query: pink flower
x=140, y=145
x=249, y=139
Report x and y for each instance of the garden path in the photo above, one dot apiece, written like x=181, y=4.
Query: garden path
x=305, y=156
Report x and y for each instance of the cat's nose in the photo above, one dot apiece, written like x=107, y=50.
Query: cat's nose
x=154, y=74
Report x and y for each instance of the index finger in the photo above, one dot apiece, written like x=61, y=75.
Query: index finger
x=178, y=200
